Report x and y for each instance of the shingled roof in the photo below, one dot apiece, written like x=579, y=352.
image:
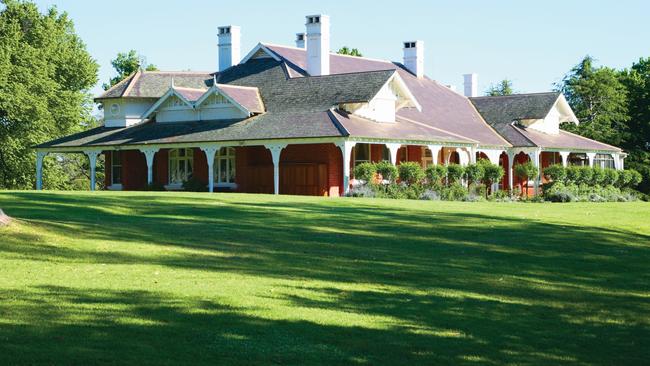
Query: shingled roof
x=153, y=84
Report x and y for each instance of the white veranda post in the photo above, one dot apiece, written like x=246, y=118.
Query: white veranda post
x=435, y=150
x=92, y=157
x=149, y=155
x=534, y=157
x=565, y=158
x=393, y=149
x=210, y=152
x=276, y=151
x=511, y=170
x=591, y=156
x=40, y=155
x=346, y=150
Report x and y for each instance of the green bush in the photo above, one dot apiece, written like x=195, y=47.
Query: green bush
x=555, y=172
x=455, y=192
x=194, y=185
x=474, y=172
x=526, y=171
x=436, y=174
x=597, y=176
x=492, y=173
x=455, y=173
x=572, y=174
x=635, y=178
x=410, y=172
x=365, y=172
x=387, y=170
x=585, y=173
x=610, y=177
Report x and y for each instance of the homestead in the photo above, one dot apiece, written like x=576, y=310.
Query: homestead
x=296, y=120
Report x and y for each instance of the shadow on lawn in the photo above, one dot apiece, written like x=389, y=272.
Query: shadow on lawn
x=478, y=287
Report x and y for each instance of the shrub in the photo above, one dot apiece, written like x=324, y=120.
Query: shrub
x=597, y=176
x=635, y=178
x=526, y=171
x=585, y=173
x=572, y=175
x=387, y=170
x=194, y=185
x=559, y=192
x=430, y=195
x=365, y=172
x=474, y=173
x=435, y=174
x=411, y=172
x=361, y=191
x=556, y=172
x=455, y=173
x=455, y=192
x=610, y=177
x=491, y=173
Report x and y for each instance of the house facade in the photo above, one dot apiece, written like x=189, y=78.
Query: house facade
x=296, y=120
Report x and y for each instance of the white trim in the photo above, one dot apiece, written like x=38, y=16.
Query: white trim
x=276, y=153
x=346, y=150
x=215, y=88
x=162, y=99
x=92, y=158
x=255, y=49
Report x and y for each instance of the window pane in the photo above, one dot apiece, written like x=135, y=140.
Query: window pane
x=362, y=152
x=223, y=170
x=116, y=175
x=116, y=158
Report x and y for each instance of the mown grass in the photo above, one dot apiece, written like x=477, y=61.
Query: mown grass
x=181, y=278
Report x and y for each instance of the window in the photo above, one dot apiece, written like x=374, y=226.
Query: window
x=403, y=154
x=224, y=163
x=578, y=159
x=605, y=161
x=385, y=153
x=361, y=154
x=427, y=157
x=116, y=168
x=181, y=162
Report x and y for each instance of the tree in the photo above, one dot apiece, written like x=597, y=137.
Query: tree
x=526, y=171
x=599, y=100
x=474, y=173
x=504, y=87
x=350, y=52
x=45, y=75
x=491, y=173
x=125, y=64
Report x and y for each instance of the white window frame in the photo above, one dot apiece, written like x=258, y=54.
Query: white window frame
x=174, y=157
x=225, y=155
x=605, y=161
x=427, y=161
x=356, y=147
x=116, y=185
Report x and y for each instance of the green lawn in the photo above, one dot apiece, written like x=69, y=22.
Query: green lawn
x=173, y=278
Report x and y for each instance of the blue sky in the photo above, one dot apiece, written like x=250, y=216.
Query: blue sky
x=532, y=43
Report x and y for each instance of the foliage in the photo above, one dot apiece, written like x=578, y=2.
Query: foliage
x=454, y=192
x=599, y=100
x=410, y=172
x=492, y=173
x=435, y=174
x=474, y=173
x=526, y=171
x=365, y=172
x=194, y=185
x=387, y=170
x=597, y=175
x=455, y=173
x=345, y=50
x=610, y=177
x=555, y=172
x=504, y=87
x=45, y=75
x=363, y=190
x=573, y=174
x=560, y=192
x=125, y=64
x=585, y=173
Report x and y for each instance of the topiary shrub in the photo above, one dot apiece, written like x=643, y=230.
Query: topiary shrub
x=492, y=173
x=585, y=173
x=455, y=173
x=455, y=192
x=411, y=172
x=194, y=185
x=474, y=173
x=572, y=175
x=387, y=170
x=365, y=172
x=555, y=172
x=436, y=174
x=635, y=178
x=526, y=171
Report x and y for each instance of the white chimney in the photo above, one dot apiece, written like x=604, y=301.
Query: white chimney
x=414, y=57
x=471, y=85
x=229, y=46
x=300, y=40
x=318, y=44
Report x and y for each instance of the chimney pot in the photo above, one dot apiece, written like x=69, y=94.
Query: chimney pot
x=229, y=41
x=300, y=40
x=414, y=57
x=471, y=85
x=318, y=44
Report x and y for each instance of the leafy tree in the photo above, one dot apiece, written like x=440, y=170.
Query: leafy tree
x=45, y=75
x=411, y=172
x=491, y=173
x=526, y=171
x=387, y=170
x=637, y=82
x=350, y=52
x=455, y=173
x=125, y=64
x=436, y=173
x=599, y=100
x=365, y=172
x=504, y=87
x=555, y=172
x=474, y=173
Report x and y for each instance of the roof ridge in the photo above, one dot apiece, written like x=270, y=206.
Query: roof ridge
x=123, y=81
x=177, y=72
x=515, y=95
x=331, y=52
x=348, y=73
x=238, y=86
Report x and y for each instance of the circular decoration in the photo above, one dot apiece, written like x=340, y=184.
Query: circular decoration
x=115, y=109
